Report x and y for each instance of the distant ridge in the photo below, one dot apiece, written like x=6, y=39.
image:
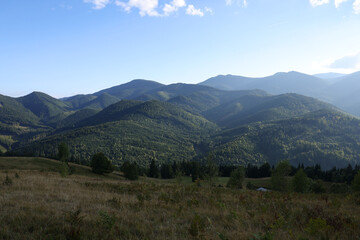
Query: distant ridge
x=290, y=82
x=329, y=75
x=340, y=90
x=131, y=89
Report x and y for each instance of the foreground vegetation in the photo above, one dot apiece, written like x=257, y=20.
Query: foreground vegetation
x=40, y=204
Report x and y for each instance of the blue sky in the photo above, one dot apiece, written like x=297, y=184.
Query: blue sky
x=66, y=47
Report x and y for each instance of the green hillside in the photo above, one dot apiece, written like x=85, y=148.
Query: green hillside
x=249, y=109
x=326, y=137
x=205, y=99
x=182, y=122
x=13, y=112
x=43, y=105
x=76, y=117
x=78, y=101
x=132, y=130
x=98, y=102
x=17, y=124
x=101, y=102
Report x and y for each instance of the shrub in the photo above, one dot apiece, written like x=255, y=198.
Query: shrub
x=317, y=187
x=236, y=178
x=7, y=181
x=75, y=221
x=100, y=164
x=317, y=226
x=130, y=170
x=211, y=170
x=64, y=169
x=251, y=186
x=300, y=181
x=197, y=226
x=339, y=188
x=278, y=177
x=63, y=152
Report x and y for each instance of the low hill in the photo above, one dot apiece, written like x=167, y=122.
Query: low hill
x=43, y=105
x=78, y=101
x=14, y=113
x=76, y=117
x=326, y=137
x=249, y=109
x=17, y=123
x=101, y=102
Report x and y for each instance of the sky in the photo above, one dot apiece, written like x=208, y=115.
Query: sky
x=68, y=47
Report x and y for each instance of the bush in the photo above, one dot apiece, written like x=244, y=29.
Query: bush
x=63, y=152
x=278, y=177
x=197, y=226
x=130, y=170
x=356, y=183
x=100, y=164
x=251, y=186
x=8, y=181
x=300, y=181
x=236, y=178
x=64, y=169
x=211, y=170
x=339, y=188
x=317, y=187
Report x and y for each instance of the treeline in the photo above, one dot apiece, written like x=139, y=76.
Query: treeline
x=202, y=170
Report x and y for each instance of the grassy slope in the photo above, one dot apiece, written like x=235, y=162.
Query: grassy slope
x=43, y=205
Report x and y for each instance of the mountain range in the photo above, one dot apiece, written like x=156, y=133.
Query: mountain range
x=338, y=89
x=237, y=119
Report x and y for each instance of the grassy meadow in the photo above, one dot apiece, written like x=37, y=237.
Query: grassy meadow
x=37, y=203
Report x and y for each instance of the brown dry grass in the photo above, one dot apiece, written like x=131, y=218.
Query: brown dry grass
x=43, y=205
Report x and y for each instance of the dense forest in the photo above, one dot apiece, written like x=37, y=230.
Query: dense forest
x=143, y=120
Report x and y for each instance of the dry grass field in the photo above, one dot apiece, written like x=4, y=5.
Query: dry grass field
x=37, y=203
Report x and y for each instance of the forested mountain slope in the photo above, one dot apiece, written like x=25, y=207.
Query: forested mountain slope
x=132, y=130
x=326, y=137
